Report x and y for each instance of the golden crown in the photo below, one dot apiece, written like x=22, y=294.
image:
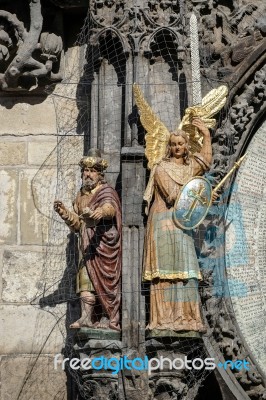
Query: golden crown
x=93, y=162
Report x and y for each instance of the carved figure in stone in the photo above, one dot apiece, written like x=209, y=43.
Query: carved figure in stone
x=211, y=36
x=233, y=34
x=97, y=219
x=5, y=42
x=26, y=56
x=170, y=261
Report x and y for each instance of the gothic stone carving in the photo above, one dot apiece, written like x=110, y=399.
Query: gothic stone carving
x=232, y=39
x=70, y=3
x=27, y=56
x=247, y=108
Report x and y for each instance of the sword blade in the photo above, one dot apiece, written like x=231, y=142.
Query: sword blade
x=195, y=61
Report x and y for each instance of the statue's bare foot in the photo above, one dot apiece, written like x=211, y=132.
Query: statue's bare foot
x=82, y=323
x=103, y=324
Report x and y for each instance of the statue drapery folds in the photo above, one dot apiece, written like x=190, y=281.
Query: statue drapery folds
x=170, y=262
x=97, y=219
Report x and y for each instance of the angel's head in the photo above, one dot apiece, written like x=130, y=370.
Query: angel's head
x=178, y=146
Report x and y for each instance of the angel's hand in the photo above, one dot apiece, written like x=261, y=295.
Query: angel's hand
x=215, y=196
x=198, y=123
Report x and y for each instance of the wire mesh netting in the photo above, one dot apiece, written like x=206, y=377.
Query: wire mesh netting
x=95, y=108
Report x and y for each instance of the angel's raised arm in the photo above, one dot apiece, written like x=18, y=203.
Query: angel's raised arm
x=206, y=149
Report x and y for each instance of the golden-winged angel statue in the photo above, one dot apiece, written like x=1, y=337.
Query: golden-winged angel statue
x=170, y=261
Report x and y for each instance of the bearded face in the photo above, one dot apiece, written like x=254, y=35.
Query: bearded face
x=90, y=178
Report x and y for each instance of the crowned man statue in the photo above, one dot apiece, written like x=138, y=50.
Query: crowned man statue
x=96, y=216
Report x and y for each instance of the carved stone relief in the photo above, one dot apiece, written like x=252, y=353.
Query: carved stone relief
x=28, y=57
x=247, y=108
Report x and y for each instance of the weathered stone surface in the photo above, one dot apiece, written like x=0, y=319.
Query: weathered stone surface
x=24, y=329
x=66, y=109
x=113, y=170
x=1, y=268
x=64, y=153
x=31, y=377
x=22, y=272
x=28, y=274
x=34, y=223
x=70, y=151
x=40, y=151
x=8, y=206
x=133, y=178
x=24, y=116
x=12, y=153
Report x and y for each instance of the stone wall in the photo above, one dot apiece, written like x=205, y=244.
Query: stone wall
x=29, y=157
x=29, y=336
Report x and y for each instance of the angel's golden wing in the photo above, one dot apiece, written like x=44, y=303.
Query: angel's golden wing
x=157, y=135
x=211, y=104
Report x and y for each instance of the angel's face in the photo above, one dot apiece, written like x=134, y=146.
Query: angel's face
x=178, y=146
